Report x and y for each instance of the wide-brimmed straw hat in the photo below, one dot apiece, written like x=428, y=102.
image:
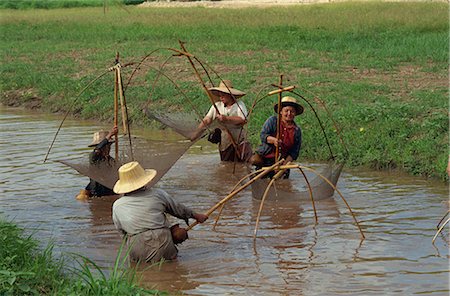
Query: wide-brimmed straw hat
x=289, y=101
x=132, y=177
x=225, y=86
x=98, y=137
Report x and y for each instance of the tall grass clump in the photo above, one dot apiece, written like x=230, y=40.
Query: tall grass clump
x=26, y=269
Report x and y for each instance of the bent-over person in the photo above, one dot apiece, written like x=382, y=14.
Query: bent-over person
x=232, y=116
x=140, y=215
x=100, y=157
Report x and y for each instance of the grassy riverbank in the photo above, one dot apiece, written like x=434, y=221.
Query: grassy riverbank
x=25, y=269
x=382, y=68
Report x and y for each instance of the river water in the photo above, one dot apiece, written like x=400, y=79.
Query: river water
x=291, y=255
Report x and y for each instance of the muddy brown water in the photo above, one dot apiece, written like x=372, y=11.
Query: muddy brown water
x=291, y=256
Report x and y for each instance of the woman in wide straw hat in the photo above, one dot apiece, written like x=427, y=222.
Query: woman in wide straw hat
x=141, y=215
x=99, y=156
x=290, y=135
x=231, y=114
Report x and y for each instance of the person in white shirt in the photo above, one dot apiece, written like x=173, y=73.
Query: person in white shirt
x=231, y=115
x=140, y=215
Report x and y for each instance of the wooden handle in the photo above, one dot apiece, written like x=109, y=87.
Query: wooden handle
x=288, y=88
x=232, y=194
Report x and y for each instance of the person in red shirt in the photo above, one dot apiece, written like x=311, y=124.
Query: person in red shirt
x=290, y=135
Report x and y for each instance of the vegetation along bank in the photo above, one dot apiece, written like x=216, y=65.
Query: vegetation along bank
x=382, y=68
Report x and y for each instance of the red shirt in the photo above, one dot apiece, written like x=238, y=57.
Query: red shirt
x=287, y=137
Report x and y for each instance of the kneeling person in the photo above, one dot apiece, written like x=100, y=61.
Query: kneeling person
x=141, y=216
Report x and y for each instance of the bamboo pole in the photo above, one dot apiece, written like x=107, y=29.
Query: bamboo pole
x=122, y=101
x=277, y=147
x=282, y=89
x=208, y=93
x=232, y=194
x=116, y=110
x=126, y=122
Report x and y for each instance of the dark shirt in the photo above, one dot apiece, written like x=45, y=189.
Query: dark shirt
x=95, y=158
x=270, y=129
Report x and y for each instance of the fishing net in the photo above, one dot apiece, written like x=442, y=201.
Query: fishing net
x=296, y=187
x=160, y=155
x=177, y=100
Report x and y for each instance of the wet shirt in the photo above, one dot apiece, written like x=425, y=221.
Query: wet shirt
x=237, y=109
x=146, y=210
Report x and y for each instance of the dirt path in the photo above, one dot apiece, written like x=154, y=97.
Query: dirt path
x=231, y=3
x=251, y=3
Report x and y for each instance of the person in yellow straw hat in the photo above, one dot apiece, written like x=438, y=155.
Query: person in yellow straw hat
x=99, y=156
x=141, y=216
x=290, y=135
x=232, y=116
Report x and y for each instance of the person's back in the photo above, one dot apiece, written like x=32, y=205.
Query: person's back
x=140, y=215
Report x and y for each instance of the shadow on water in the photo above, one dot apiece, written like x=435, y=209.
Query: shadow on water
x=294, y=256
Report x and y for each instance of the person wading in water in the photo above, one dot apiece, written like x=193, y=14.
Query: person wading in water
x=290, y=136
x=140, y=215
x=99, y=156
x=231, y=113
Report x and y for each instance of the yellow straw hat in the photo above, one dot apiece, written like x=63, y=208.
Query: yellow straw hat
x=225, y=86
x=289, y=101
x=98, y=137
x=132, y=177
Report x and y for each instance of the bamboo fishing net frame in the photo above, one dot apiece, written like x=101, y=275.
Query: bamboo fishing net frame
x=440, y=227
x=118, y=91
x=279, y=168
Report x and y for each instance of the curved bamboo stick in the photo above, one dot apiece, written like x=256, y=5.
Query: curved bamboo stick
x=261, y=205
x=218, y=216
x=442, y=219
x=232, y=194
x=70, y=109
x=310, y=194
x=439, y=230
x=338, y=129
x=320, y=122
x=334, y=187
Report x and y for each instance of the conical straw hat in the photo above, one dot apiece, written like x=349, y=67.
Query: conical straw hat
x=290, y=101
x=132, y=177
x=98, y=137
x=226, y=86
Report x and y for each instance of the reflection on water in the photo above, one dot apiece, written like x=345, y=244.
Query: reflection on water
x=292, y=255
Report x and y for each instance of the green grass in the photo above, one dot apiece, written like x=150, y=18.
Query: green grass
x=53, y=4
x=25, y=269
x=378, y=66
